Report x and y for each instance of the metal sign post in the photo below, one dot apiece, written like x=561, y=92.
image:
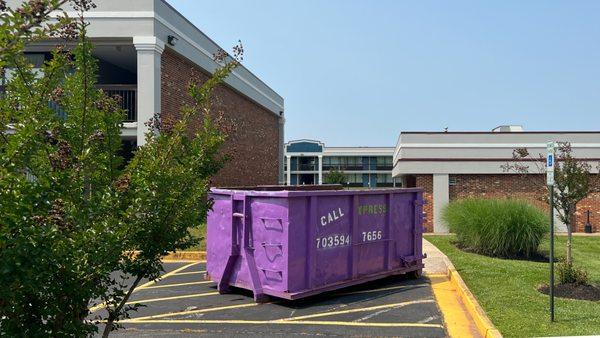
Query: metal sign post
x=550, y=182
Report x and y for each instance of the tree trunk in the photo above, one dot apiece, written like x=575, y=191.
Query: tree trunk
x=113, y=315
x=109, y=326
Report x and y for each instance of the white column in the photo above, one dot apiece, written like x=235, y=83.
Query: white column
x=289, y=169
x=149, y=50
x=441, y=197
x=320, y=169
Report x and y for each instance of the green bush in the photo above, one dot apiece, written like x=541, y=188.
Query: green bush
x=569, y=274
x=497, y=227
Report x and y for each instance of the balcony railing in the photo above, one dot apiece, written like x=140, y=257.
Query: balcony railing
x=127, y=94
x=328, y=167
x=307, y=167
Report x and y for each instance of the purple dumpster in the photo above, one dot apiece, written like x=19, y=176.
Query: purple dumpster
x=294, y=244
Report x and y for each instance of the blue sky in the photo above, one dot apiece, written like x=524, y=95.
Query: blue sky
x=356, y=73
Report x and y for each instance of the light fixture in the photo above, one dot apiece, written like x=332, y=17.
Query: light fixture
x=172, y=40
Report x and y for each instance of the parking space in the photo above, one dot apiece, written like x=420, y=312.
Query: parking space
x=183, y=304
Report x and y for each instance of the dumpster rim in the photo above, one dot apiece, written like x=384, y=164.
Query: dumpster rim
x=289, y=193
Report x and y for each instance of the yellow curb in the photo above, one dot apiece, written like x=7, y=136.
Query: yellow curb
x=458, y=322
x=484, y=324
x=185, y=256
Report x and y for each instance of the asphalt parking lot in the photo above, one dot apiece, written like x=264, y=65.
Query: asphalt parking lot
x=182, y=304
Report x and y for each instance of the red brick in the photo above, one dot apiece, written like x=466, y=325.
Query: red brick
x=253, y=131
x=426, y=182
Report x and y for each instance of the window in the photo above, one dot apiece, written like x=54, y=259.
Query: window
x=354, y=178
x=384, y=178
x=452, y=180
x=36, y=59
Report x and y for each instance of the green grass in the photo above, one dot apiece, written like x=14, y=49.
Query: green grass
x=506, y=289
x=198, y=233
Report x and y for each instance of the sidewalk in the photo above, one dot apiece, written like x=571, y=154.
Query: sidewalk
x=461, y=319
x=434, y=263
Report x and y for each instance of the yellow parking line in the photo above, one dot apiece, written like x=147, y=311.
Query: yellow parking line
x=168, y=274
x=189, y=273
x=378, y=290
x=280, y=322
x=176, y=284
x=152, y=300
x=378, y=307
x=189, y=312
x=145, y=285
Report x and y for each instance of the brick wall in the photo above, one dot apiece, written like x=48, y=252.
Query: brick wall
x=530, y=187
x=253, y=131
x=591, y=203
x=426, y=182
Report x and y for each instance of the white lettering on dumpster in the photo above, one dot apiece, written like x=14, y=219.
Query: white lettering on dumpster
x=374, y=235
x=332, y=216
x=332, y=241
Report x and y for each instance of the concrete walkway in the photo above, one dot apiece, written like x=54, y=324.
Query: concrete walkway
x=435, y=262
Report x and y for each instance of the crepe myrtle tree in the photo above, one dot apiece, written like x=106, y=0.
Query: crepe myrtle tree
x=79, y=229
x=163, y=191
x=574, y=181
x=336, y=177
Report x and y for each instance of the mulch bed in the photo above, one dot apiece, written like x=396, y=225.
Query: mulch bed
x=573, y=291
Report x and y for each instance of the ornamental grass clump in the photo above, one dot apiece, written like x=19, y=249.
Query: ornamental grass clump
x=497, y=227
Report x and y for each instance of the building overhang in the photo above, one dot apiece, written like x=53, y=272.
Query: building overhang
x=118, y=20
x=486, y=152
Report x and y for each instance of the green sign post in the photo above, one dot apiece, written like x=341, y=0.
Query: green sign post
x=550, y=161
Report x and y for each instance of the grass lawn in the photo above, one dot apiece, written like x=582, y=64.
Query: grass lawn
x=506, y=289
x=199, y=233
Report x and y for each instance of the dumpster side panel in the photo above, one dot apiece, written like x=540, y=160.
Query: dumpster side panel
x=373, y=234
x=218, y=235
x=409, y=215
x=404, y=215
x=298, y=245
x=269, y=218
x=330, y=239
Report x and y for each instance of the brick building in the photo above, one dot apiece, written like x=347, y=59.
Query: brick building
x=455, y=165
x=148, y=53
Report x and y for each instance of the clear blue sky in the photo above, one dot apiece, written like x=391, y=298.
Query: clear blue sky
x=358, y=72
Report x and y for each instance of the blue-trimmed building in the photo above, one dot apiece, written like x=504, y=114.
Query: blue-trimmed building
x=309, y=162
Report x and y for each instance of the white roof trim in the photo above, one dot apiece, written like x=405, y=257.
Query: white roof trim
x=154, y=15
x=208, y=54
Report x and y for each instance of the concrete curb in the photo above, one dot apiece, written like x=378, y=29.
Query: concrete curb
x=484, y=324
x=185, y=256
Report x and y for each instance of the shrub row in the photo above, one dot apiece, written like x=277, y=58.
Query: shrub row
x=497, y=227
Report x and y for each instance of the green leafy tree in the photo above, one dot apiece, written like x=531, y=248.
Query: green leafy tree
x=71, y=215
x=336, y=177
x=574, y=181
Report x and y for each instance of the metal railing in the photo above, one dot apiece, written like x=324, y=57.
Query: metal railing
x=307, y=167
x=127, y=94
x=342, y=167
